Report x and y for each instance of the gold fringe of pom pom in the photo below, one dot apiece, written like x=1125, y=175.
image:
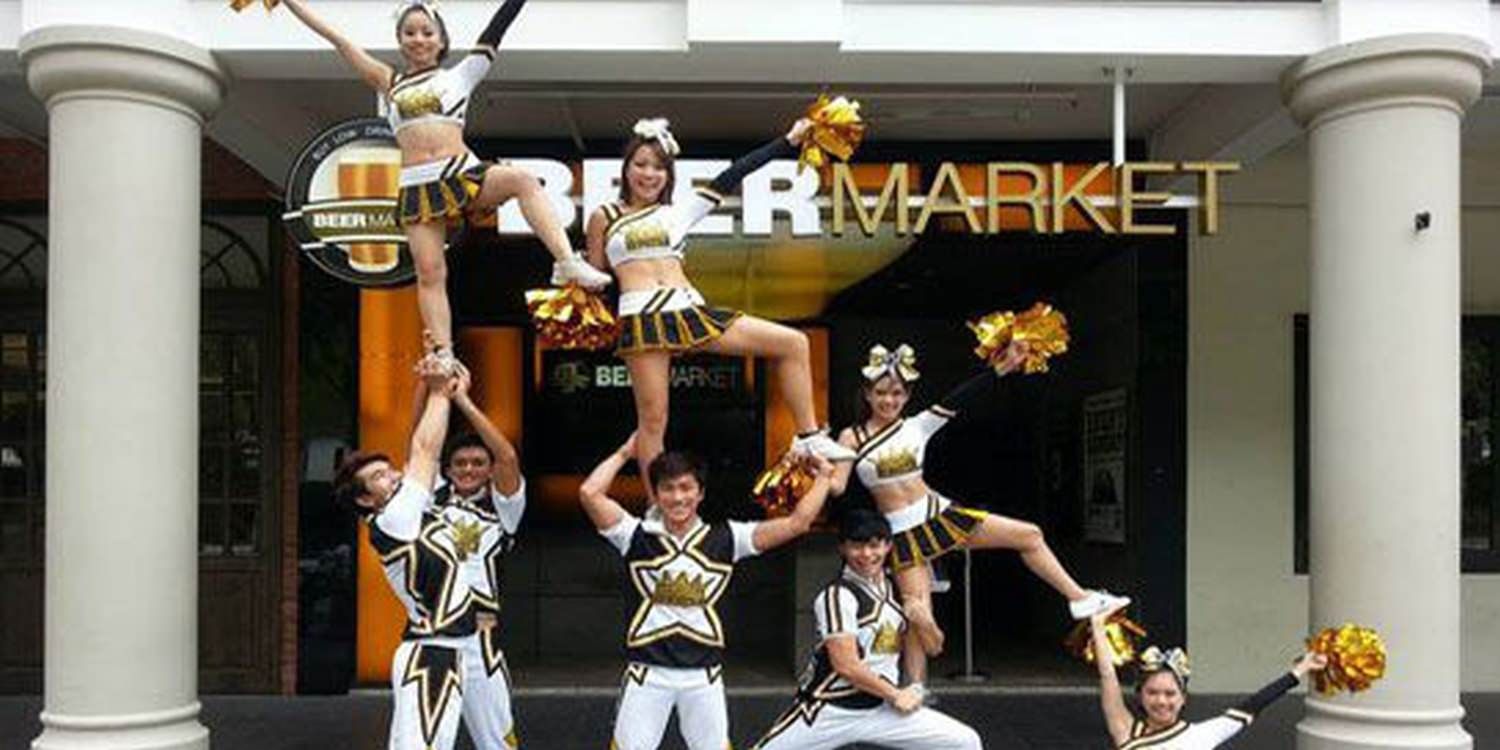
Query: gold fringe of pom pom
x=239, y=5
x=778, y=488
x=837, y=131
x=572, y=318
x=1043, y=328
x=1123, y=633
x=1356, y=658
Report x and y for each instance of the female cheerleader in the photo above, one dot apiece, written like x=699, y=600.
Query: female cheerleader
x=889, y=455
x=442, y=182
x=1162, y=692
x=640, y=238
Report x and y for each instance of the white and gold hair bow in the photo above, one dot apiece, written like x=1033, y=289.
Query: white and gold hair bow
x=1154, y=659
x=902, y=363
x=658, y=129
x=430, y=6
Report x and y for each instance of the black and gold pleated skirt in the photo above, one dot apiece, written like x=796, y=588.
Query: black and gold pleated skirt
x=444, y=199
x=673, y=330
x=935, y=537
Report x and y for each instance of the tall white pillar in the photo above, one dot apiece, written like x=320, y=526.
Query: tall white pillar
x=1383, y=117
x=126, y=111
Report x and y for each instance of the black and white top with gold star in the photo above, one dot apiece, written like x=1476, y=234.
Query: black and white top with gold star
x=867, y=610
x=433, y=559
x=501, y=515
x=675, y=584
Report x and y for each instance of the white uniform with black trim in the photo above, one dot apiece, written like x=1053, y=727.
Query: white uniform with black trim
x=829, y=712
x=674, y=642
x=656, y=231
x=432, y=559
x=1207, y=735
x=486, y=676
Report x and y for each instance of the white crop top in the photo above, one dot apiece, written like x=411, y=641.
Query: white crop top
x=657, y=231
x=899, y=451
x=436, y=94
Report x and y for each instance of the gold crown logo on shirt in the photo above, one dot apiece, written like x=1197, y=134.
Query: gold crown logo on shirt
x=680, y=591
x=887, y=640
x=465, y=538
x=646, y=234
x=895, y=463
x=415, y=102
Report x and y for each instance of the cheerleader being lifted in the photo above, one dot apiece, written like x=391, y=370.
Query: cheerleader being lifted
x=442, y=181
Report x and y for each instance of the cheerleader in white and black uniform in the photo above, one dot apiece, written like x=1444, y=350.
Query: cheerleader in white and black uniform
x=678, y=568
x=891, y=451
x=1162, y=692
x=442, y=182
x=432, y=557
x=641, y=238
x=849, y=692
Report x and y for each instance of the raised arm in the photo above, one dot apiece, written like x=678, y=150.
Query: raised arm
x=1111, y=699
x=778, y=531
x=500, y=23
x=374, y=72
x=427, y=439
x=601, y=509
x=507, y=471
x=783, y=147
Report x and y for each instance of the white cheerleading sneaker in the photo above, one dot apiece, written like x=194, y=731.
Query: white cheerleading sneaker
x=819, y=444
x=1096, y=602
x=574, y=269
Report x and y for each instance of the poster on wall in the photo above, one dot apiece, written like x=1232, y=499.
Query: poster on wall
x=1106, y=432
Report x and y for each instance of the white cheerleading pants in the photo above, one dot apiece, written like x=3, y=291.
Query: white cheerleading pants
x=649, y=695
x=427, y=689
x=486, y=703
x=825, y=727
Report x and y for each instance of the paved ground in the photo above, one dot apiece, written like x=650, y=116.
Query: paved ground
x=565, y=720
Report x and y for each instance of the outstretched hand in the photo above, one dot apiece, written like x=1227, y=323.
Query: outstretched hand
x=799, y=132
x=1310, y=662
x=1014, y=357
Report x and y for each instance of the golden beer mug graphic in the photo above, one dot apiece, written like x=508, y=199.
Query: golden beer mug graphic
x=371, y=173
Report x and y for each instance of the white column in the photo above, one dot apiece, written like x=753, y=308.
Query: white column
x=126, y=112
x=1382, y=117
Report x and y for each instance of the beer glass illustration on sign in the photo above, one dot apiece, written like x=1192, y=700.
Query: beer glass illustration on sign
x=371, y=173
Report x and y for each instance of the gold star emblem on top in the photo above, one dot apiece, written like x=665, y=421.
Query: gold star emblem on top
x=679, y=590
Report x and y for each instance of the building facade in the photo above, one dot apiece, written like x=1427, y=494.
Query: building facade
x=1275, y=424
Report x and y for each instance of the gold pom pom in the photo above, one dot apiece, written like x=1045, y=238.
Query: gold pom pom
x=1356, y=658
x=778, y=488
x=1123, y=633
x=239, y=5
x=837, y=131
x=1043, y=329
x=572, y=318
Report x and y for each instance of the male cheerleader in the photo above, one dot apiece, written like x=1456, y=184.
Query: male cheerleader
x=848, y=693
x=427, y=557
x=679, y=567
x=483, y=478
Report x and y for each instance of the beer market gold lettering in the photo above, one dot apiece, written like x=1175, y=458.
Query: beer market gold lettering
x=1032, y=199
x=948, y=175
x=897, y=184
x=1209, y=188
x=1047, y=202
x=1062, y=196
x=1129, y=198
